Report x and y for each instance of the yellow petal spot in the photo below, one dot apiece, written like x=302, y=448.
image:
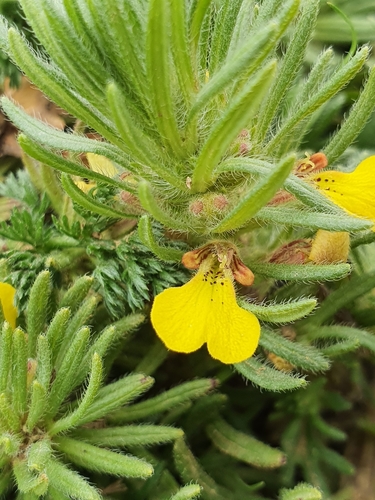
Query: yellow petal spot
x=7, y=293
x=354, y=191
x=205, y=310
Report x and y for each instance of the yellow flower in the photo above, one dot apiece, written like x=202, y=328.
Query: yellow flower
x=354, y=191
x=205, y=310
x=7, y=293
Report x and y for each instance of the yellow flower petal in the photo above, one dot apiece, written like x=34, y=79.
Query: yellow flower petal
x=354, y=191
x=7, y=293
x=101, y=165
x=205, y=310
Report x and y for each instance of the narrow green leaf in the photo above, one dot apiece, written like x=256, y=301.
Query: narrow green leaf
x=75, y=295
x=6, y=361
x=146, y=236
x=302, y=491
x=280, y=313
x=338, y=349
x=300, y=272
x=248, y=58
x=56, y=161
x=69, y=482
x=73, y=419
x=179, y=45
x=201, y=8
x=159, y=74
x=226, y=129
x=102, y=460
x=243, y=447
x=328, y=430
x=38, y=453
x=290, y=66
x=37, y=406
x=54, y=333
x=80, y=318
x=302, y=190
x=257, y=196
x=338, y=80
x=44, y=361
x=344, y=295
x=151, y=205
x=37, y=307
x=303, y=356
x=8, y=417
x=188, y=492
x=50, y=81
x=129, y=435
x=117, y=394
x=65, y=379
x=190, y=470
x=312, y=220
x=27, y=482
x=154, y=357
x=19, y=375
x=133, y=136
x=347, y=333
x=268, y=378
x=52, y=188
x=169, y=399
x=79, y=197
x=354, y=123
x=336, y=461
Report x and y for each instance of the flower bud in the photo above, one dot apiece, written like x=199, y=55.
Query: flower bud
x=295, y=252
x=330, y=247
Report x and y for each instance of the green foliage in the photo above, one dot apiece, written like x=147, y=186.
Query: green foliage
x=205, y=109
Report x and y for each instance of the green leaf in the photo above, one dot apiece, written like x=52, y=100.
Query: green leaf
x=117, y=394
x=50, y=80
x=69, y=482
x=159, y=74
x=243, y=447
x=302, y=491
x=151, y=205
x=187, y=492
x=338, y=80
x=300, y=272
x=304, y=356
x=169, y=399
x=57, y=162
x=129, y=435
x=6, y=361
x=354, y=336
x=248, y=58
x=37, y=406
x=312, y=220
x=102, y=460
x=280, y=313
x=73, y=419
x=53, y=333
x=37, y=307
x=190, y=470
x=354, y=123
x=291, y=63
x=80, y=318
x=19, y=375
x=257, y=197
x=79, y=197
x=75, y=295
x=146, y=236
x=268, y=378
x=344, y=295
x=237, y=115
x=65, y=379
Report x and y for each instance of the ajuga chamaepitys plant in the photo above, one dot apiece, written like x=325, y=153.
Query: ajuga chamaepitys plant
x=188, y=126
